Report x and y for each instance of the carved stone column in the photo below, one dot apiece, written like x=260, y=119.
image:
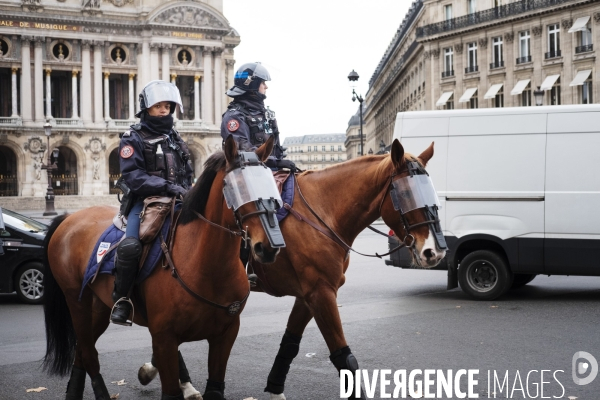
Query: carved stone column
x=74, y=110
x=98, y=117
x=145, y=66
x=166, y=61
x=26, y=78
x=48, y=94
x=154, y=61
x=86, y=83
x=219, y=87
x=197, y=98
x=230, y=78
x=207, y=87
x=131, y=97
x=38, y=79
x=174, y=82
x=14, y=98
x=106, y=97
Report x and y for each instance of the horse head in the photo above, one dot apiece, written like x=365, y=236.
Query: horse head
x=250, y=184
x=411, y=207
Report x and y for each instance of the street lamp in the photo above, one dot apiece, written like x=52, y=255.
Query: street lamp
x=353, y=78
x=539, y=96
x=381, y=147
x=49, y=166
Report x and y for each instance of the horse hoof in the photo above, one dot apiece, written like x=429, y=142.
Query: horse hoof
x=189, y=391
x=277, y=396
x=147, y=373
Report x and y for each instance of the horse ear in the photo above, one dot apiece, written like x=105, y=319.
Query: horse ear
x=427, y=154
x=264, y=151
x=397, y=154
x=231, y=149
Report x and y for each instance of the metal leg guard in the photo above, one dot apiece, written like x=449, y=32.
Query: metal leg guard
x=214, y=390
x=167, y=397
x=288, y=350
x=76, y=385
x=126, y=266
x=184, y=375
x=344, y=359
x=100, y=390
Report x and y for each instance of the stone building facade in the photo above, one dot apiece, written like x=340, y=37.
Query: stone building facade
x=485, y=53
x=316, y=151
x=80, y=66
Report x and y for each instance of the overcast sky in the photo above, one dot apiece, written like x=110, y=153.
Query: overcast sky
x=309, y=47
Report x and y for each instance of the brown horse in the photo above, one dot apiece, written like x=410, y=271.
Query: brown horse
x=207, y=260
x=346, y=198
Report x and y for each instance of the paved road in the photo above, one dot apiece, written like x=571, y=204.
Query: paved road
x=393, y=319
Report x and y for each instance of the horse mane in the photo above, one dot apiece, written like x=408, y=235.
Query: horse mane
x=197, y=197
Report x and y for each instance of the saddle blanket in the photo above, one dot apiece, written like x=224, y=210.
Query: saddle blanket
x=111, y=236
x=287, y=193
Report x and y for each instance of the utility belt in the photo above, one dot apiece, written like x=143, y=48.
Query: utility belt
x=126, y=197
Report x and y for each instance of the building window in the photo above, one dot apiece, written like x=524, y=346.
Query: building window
x=471, y=57
x=524, y=47
x=323, y=157
x=450, y=103
x=586, y=91
x=585, y=40
x=448, y=12
x=339, y=157
x=331, y=158
x=322, y=148
x=474, y=101
x=497, y=54
x=526, y=96
x=332, y=148
x=499, y=99
x=448, y=63
x=308, y=148
x=554, y=94
x=340, y=148
x=471, y=6
x=553, y=41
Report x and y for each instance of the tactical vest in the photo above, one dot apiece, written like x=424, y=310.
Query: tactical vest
x=170, y=165
x=260, y=127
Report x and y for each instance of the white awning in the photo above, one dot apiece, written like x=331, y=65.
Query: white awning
x=444, y=98
x=549, y=82
x=581, y=77
x=579, y=24
x=467, y=95
x=493, y=91
x=520, y=86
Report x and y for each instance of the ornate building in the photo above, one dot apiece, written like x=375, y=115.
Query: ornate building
x=484, y=53
x=80, y=65
x=316, y=151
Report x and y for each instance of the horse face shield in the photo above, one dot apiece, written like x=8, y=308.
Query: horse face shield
x=253, y=182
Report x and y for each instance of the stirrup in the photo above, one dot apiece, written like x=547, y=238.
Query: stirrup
x=127, y=322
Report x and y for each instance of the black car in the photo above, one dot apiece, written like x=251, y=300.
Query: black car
x=21, y=256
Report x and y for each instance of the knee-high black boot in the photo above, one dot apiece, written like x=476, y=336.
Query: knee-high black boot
x=126, y=266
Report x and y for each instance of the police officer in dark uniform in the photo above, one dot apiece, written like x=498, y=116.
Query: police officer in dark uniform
x=154, y=161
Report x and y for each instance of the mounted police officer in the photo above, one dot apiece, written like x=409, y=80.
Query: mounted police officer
x=154, y=162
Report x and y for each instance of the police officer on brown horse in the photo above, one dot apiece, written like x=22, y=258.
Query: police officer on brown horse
x=154, y=161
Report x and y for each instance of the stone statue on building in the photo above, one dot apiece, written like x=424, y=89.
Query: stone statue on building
x=96, y=169
x=37, y=165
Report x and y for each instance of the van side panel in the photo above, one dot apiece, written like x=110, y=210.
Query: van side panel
x=497, y=125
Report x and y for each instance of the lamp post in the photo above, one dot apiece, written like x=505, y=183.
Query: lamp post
x=49, y=167
x=353, y=78
x=539, y=96
x=381, y=147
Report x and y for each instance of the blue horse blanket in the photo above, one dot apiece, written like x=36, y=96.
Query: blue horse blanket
x=287, y=195
x=110, y=237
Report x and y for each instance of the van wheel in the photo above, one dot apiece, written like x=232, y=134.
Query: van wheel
x=29, y=283
x=484, y=275
x=522, y=280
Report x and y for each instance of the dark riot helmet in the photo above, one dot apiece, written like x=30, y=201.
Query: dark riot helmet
x=248, y=79
x=157, y=91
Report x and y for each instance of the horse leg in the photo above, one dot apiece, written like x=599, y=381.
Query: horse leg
x=148, y=372
x=76, y=385
x=322, y=301
x=219, y=349
x=288, y=349
x=164, y=348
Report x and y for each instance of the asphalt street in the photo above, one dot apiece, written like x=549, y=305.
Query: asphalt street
x=393, y=319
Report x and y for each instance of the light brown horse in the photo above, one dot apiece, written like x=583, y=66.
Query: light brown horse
x=347, y=197
x=207, y=260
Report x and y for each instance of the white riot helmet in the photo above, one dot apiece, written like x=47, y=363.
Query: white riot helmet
x=157, y=91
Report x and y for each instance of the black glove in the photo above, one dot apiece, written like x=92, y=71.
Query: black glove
x=286, y=164
x=176, y=190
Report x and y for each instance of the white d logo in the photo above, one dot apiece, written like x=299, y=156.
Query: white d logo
x=584, y=367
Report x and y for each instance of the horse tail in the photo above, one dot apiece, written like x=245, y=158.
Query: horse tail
x=60, y=334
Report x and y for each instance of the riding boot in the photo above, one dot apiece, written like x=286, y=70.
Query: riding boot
x=344, y=359
x=126, y=266
x=245, y=256
x=214, y=390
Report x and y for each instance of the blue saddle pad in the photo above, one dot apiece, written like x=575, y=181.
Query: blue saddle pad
x=287, y=195
x=111, y=236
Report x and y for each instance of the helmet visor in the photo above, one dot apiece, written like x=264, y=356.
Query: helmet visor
x=157, y=91
x=412, y=192
x=244, y=185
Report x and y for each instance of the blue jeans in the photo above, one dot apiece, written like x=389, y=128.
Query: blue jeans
x=133, y=220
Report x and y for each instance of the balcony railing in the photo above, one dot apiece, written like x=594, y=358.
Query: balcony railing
x=472, y=68
x=552, y=54
x=446, y=74
x=67, y=122
x=523, y=60
x=507, y=10
x=497, y=64
x=584, y=48
x=11, y=121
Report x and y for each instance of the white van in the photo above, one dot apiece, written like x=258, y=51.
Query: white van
x=519, y=190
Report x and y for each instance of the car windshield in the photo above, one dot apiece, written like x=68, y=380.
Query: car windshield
x=22, y=222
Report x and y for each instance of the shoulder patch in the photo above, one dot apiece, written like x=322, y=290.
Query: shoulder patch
x=126, y=151
x=232, y=125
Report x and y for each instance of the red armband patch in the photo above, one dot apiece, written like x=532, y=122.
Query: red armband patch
x=233, y=125
x=126, y=152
